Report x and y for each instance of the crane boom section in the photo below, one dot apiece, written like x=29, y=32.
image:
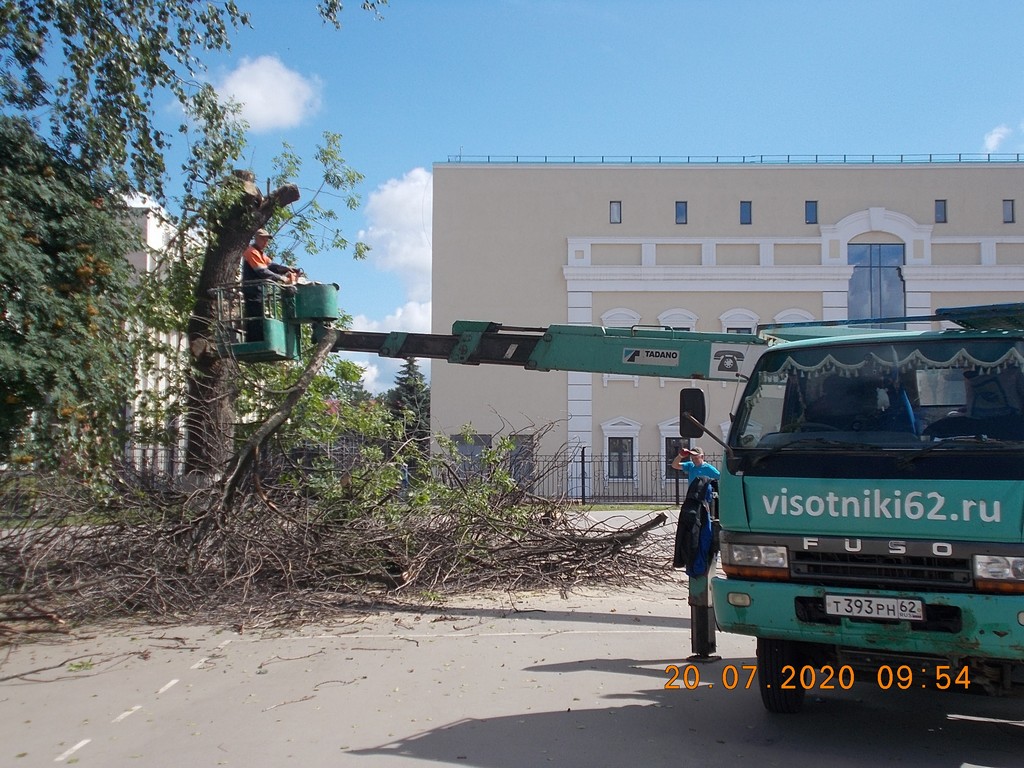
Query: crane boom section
x=637, y=351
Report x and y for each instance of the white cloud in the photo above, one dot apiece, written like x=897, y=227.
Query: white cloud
x=271, y=95
x=372, y=379
x=413, y=316
x=400, y=231
x=379, y=372
x=994, y=139
x=399, y=213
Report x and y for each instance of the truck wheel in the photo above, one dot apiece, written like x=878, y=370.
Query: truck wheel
x=772, y=656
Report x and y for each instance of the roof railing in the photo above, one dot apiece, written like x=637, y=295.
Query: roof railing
x=882, y=159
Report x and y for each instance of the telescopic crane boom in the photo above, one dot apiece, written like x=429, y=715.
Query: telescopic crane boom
x=637, y=351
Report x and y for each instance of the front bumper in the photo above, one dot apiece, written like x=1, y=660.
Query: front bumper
x=959, y=625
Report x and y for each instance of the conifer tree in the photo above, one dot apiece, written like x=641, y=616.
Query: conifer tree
x=409, y=402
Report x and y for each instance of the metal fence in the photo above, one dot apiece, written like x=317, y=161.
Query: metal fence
x=598, y=478
x=579, y=476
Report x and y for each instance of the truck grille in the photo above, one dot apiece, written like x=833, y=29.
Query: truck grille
x=860, y=570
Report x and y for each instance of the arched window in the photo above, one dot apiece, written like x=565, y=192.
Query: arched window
x=678, y=318
x=620, y=317
x=739, y=321
x=793, y=315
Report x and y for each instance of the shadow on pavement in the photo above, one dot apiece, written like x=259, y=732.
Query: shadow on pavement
x=719, y=727
x=619, y=618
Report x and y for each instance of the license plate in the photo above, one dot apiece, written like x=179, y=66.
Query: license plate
x=863, y=606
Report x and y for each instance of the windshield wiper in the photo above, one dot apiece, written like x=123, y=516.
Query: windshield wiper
x=812, y=442
x=954, y=441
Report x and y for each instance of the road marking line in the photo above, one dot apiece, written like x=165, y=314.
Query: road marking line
x=200, y=663
x=166, y=687
x=125, y=714
x=68, y=753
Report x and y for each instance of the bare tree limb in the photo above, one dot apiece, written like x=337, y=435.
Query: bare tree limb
x=243, y=459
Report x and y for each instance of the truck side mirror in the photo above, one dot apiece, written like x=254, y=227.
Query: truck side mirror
x=692, y=412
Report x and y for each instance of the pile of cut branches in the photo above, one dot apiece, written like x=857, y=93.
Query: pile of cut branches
x=282, y=552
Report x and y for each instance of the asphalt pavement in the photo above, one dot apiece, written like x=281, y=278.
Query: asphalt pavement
x=597, y=677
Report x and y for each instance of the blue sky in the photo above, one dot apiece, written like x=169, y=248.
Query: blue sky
x=440, y=78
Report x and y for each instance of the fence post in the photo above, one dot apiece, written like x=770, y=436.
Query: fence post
x=583, y=474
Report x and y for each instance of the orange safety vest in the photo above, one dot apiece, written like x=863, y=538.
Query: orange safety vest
x=256, y=258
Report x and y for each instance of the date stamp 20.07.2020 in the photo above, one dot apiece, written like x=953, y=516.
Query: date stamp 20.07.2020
x=824, y=678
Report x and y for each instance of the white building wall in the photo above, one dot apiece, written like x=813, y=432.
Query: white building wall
x=156, y=233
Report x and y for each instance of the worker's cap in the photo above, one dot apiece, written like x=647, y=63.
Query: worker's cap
x=263, y=233
x=697, y=450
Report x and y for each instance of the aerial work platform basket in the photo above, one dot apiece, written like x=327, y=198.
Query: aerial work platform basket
x=259, y=321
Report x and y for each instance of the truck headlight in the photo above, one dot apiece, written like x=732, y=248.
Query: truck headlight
x=998, y=568
x=755, y=556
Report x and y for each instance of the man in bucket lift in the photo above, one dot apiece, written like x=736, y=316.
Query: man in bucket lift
x=257, y=266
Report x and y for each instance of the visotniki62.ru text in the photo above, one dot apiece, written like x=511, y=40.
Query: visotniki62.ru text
x=874, y=503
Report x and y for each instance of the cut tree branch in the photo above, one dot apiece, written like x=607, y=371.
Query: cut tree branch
x=243, y=460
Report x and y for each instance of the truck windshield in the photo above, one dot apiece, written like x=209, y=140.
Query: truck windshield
x=900, y=394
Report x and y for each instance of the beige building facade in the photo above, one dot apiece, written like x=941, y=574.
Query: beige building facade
x=719, y=246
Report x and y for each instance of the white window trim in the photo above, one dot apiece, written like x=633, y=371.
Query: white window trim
x=793, y=315
x=678, y=318
x=739, y=316
x=607, y=377
x=667, y=429
x=620, y=317
x=621, y=426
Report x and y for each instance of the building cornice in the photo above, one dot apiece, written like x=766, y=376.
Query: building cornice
x=739, y=279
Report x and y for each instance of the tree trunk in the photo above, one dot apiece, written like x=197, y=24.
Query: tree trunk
x=209, y=416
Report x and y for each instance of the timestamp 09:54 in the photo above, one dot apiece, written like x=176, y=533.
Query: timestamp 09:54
x=824, y=678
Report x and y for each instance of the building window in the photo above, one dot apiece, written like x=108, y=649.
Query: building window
x=1008, y=217
x=620, y=317
x=876, y=285
x=521, y=460
x=680, y=211
x=810, y=212
x=793, y=315
x=470, y=448
x=620, y=458
x=672, y=446
x=739, y=320
x=615, y=212
x=940, y=212
x=678, y=319
x=746, y=213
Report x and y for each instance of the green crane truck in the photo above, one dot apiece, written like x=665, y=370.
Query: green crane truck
x=872, y=498
x=871, y=507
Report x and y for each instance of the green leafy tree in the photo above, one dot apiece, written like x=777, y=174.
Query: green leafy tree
x=99, y=67
x=90, y=74
x=66, y=306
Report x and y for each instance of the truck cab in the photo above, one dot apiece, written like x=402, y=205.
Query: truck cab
x=871, y=510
